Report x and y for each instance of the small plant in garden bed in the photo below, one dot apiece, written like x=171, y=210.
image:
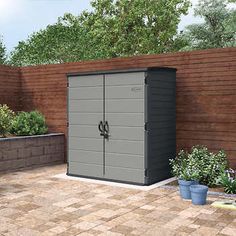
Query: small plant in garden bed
x=29, y=123
x=6, y=120
x=228, y=181
x=22, y=123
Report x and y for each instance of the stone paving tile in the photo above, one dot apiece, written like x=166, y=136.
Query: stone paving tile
x=33, y=202
x=228, y=231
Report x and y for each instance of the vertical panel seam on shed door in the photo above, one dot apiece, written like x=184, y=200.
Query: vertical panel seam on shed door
x=67, y=124
x=144, y=128
x=104, y=118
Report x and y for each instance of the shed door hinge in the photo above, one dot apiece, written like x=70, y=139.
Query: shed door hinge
x=67, y=124
x=67, y=84
x=146, y=78
x=146, y=126
x=146, y=173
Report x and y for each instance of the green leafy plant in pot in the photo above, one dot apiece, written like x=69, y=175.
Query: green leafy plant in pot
x=198, y=165
x=187, y=171
x=211, y=165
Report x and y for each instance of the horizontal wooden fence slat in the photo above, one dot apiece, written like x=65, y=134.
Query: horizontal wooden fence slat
x=10, y=86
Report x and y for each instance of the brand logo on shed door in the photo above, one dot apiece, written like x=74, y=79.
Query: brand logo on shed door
x=136, y=89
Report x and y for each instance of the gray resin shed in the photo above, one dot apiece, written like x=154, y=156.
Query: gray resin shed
x=121, y=124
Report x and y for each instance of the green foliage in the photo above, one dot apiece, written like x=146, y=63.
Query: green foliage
x=24, y=123
x=199, y=164
x=211, y=165
x=3, y=56
x=185, y=168
x=125, y=27
x=29, y=123
x=228, y=181
x=6, y=120
x=113, y=28
x=64, y=41
x=218, y=29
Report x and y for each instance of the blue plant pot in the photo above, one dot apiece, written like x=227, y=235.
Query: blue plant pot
x=184, y=188
x=198, y=194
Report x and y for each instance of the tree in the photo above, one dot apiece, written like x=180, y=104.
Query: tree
x=218, y=29
x=113, y=28
x=134, y=27
x=3, y=56
x=64, y=41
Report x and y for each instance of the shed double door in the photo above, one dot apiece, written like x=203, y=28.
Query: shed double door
x=116, y=100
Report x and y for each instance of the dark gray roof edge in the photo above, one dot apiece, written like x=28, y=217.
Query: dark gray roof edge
x=120, y=71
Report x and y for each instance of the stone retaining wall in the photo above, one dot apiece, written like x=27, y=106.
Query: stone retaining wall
x=31, y=151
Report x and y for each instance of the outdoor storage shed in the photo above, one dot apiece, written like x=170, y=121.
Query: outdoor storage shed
x=121, y=124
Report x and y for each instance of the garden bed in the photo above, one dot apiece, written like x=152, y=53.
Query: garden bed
x=31, y=151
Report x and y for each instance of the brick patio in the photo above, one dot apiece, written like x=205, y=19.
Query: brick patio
x=33, y=202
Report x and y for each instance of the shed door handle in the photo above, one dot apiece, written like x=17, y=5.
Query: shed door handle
x=106, y=127
x=100, y=128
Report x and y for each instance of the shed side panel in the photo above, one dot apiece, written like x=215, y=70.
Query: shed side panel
x=161, y=128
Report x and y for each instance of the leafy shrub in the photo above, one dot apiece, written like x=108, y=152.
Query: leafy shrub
x=6, y=120
x=29, y=123
x=228, y=181
x=184, y=167
x=211, y=165
x=200, y=164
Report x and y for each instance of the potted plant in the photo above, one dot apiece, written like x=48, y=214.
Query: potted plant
x=211, y=165
x=185, y=168
x=198, y=194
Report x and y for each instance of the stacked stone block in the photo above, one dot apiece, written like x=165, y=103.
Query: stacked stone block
x=31, y=151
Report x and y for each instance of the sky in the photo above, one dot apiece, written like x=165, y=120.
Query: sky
x=20, y=18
